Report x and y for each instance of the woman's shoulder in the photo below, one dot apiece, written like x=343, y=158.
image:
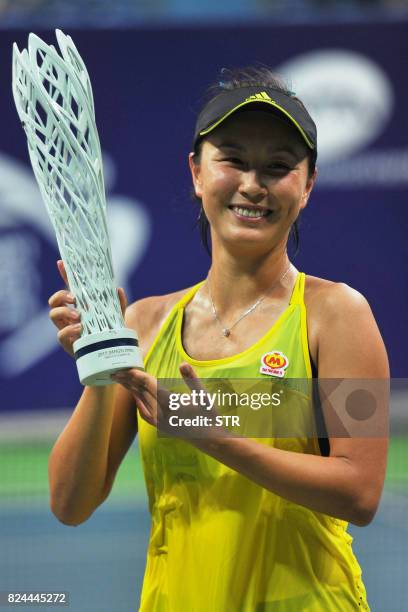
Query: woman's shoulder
x=329, y=297
x=155, y=307
x=334, y=310
x=147, y=315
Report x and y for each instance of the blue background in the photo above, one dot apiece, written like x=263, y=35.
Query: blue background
x=148, y=86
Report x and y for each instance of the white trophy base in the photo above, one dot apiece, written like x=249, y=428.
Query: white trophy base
x=100, y=355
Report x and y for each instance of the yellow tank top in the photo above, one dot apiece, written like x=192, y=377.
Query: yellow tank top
x=219, y=542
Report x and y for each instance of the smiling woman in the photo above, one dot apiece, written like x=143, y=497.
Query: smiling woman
x=215, y=112
x=255, y=186
x=250, y=522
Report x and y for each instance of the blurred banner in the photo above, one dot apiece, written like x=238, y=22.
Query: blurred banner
x=148, y=87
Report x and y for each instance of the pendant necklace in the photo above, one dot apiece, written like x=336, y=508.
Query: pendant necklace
x=227, y=330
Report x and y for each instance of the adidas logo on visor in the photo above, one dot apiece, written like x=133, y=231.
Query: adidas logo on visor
x=262, y=95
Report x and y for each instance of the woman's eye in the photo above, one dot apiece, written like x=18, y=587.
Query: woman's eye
x=279, y=167
x=233, y=160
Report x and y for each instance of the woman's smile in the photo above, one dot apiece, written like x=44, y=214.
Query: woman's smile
x=250, y=214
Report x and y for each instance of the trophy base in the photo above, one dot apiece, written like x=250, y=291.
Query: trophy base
x=100, y=355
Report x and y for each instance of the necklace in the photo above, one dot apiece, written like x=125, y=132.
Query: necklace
x=227, y=330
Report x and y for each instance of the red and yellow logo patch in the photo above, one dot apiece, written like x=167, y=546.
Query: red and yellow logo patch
x=274, y=363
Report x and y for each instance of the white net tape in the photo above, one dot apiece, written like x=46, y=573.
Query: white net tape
x=54, y=101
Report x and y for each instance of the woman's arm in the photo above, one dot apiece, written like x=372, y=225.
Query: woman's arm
x=348, y=483
x=88, y=452
x=85, y=458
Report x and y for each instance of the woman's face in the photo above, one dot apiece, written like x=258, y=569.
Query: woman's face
x=253, y=179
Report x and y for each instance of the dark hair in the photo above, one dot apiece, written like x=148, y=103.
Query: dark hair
x=258, y=76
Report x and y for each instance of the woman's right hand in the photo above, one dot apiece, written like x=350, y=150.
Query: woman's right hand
x=67, y=318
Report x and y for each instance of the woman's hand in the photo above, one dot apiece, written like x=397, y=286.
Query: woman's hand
x=66, y=317
x=153, y=400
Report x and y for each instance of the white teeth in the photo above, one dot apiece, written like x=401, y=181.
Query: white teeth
x=246, y=212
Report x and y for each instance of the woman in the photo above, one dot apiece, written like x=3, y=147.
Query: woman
x=238, y=524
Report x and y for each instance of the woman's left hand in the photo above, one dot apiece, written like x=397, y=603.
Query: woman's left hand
x=152, y=400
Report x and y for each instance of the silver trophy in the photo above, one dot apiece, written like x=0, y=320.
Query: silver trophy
x=54, y=101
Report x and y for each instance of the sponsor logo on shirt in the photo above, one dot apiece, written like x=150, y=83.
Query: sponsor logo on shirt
x=274, y=363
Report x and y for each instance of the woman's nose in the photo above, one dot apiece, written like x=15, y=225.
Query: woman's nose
x=252, y=187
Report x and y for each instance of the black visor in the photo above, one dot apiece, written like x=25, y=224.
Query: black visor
x=230, y=101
